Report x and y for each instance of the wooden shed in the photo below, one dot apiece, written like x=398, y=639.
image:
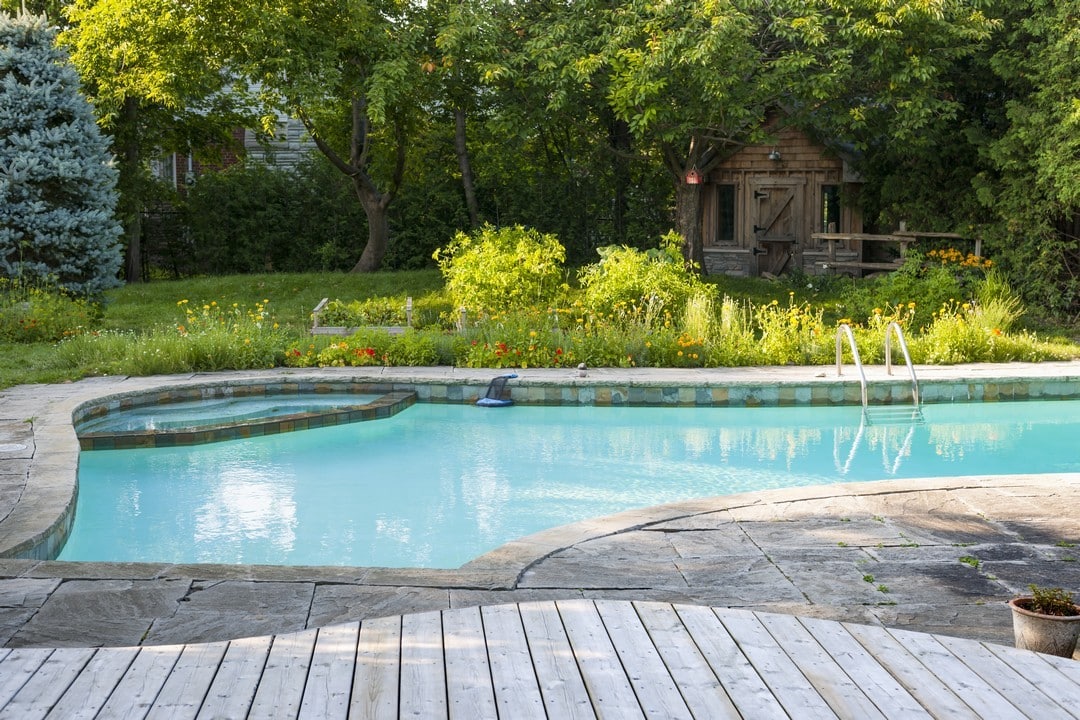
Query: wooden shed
x=761, y=206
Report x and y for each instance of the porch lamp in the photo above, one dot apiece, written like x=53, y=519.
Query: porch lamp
x=693, y=177
x=774, y=155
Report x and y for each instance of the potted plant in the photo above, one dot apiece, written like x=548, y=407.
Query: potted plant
x=1047, y=621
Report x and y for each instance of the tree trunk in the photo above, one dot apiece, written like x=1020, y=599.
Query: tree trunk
x=130, y=204
x=688, y=222
x=466, y=168
x=375, y=206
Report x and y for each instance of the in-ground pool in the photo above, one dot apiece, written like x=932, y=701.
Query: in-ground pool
x=437, y=485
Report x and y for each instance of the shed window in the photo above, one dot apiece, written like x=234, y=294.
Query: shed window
x=830, y=209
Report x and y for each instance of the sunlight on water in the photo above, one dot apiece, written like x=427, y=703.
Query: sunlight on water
x=437, y=485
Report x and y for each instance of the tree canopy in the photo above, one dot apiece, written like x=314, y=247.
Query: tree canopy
x=575, y=109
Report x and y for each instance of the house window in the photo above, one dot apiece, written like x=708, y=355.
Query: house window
x=830, y=209
x=725, y=214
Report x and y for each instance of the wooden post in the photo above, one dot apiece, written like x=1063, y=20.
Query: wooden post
x=408, y=312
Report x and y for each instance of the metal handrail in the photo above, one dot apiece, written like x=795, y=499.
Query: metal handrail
x=842, y=330
x=895, y=326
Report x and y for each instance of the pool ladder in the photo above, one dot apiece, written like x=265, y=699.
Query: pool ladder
x=885, y=413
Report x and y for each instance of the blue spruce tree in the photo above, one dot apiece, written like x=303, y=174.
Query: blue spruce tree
x=57, y=185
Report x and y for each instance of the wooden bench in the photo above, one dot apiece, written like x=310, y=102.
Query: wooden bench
x=904, y=238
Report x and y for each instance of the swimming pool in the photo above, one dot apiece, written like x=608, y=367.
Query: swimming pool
x=437, y=485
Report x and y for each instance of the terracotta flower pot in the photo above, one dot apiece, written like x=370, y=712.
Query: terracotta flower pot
x=1050, y=634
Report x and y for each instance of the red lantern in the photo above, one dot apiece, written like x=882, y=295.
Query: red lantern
x=693, y=177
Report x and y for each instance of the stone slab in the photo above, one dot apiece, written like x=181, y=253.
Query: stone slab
x=223, y=610
x=944, y=583
x=92, y=613
x=740, y=581
x=346, y=603
x=573, y=569
x=988, y=621
x=26, y=592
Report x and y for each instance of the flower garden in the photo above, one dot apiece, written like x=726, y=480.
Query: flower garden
x=507, y=301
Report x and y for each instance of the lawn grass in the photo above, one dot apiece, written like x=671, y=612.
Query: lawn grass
x=292, y=296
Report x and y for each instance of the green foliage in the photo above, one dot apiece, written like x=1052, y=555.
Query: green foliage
x=255, y=218
x=792, y=334
x=641, y=281
x=57, y=187
x=369, y=347
x=929, y=285
x=37, y=312
x=502, y=269
x=428, y=310
x=519, y=341
x=1052, y=601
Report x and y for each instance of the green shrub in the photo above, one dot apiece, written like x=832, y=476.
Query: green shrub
x=929, y=286
x=496, y=270
x=41, y=312
x=641, y=282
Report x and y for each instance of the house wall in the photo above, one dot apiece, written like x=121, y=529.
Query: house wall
x=786, y=196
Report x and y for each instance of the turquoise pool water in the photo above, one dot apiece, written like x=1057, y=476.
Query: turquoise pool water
x=437, y=485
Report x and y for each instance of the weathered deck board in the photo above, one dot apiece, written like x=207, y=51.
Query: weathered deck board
x=329, y=681
x=556, y=659
x=932, y=693
x=139, y=686
x=183, y=693
x=888, y=695
x=517, y=690
x=378, y=666
x=1045, y=674
x=742, y=683
x=237, y=678
x=84, y=697
x=281, y=687
x=17, y=668
x=1012, y=685
x=701, y=689
x=468, y=674
x=982, y=697
x=609, y=689
x=557, y=672
x=776, y=668
x=829, y=679
x=48, y=683
x=423, y=675
x=656, y=690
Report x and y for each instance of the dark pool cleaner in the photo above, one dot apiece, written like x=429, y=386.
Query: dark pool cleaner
x=495, y=391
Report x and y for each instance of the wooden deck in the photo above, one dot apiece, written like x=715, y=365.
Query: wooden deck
x=564, y=659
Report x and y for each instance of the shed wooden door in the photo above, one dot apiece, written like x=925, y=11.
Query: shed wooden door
x=776, y=214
